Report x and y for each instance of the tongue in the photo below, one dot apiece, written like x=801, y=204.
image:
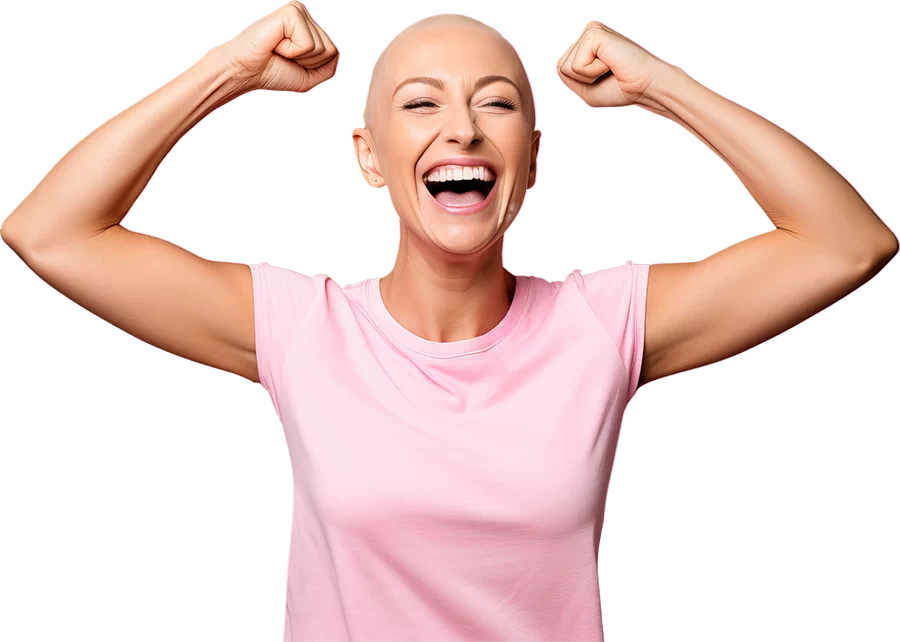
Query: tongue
x=449, y=197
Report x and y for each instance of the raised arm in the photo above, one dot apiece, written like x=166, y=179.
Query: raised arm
x=69, y=232
x=826, y=240
x=826, y=243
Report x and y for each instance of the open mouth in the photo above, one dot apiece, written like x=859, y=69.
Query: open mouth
x=462, y=193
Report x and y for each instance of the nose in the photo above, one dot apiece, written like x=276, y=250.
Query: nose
x=460, y=126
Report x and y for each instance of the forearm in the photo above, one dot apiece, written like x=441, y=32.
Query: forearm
x=95, y=184
x=796, y=188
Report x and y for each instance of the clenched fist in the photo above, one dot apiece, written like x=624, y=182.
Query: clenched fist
x=606, y=69
x=284, y=51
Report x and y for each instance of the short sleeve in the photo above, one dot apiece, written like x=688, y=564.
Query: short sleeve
x=618, y=297
x=282, y=301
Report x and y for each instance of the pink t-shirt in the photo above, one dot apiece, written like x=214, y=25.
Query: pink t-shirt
x=448, y=491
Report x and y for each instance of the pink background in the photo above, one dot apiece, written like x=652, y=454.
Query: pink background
x=145, y=497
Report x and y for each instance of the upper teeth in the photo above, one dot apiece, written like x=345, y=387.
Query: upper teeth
x=460, y=173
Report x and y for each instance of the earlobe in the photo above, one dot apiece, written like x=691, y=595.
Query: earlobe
x=532, y=174
x=366, y=158
x=374, y=181
x=372, y=174
x=532, y=170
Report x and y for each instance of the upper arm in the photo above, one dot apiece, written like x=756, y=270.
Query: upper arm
x=160, y=293
x=702, y=312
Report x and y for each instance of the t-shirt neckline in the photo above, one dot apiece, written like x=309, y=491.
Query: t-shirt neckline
x=443, y=349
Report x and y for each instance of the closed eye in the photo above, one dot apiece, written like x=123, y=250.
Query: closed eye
x=499, y=102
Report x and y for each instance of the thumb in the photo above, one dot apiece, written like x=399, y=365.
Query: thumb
x=586, y=65
x=322, y=73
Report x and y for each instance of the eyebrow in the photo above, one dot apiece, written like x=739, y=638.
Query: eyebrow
x=438, y=83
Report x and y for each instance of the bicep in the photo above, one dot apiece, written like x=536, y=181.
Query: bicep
x=161, y=294
x=702, y=312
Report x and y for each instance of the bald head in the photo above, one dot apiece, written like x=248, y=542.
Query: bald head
x=451, y=30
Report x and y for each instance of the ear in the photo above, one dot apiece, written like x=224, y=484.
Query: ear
x=535, y=145
x=363, y=145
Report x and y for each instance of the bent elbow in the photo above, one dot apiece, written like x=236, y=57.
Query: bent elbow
x=882, y=253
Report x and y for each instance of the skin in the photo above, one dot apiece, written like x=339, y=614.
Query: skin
x=448, y=282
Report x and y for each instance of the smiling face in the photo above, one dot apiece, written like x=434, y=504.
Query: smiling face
x=469, y=103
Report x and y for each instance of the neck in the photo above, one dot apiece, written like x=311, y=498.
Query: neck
x=448, y=303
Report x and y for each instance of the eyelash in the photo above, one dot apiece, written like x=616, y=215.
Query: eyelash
x=497, y=101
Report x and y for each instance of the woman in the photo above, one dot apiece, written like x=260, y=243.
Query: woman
x=434, y=497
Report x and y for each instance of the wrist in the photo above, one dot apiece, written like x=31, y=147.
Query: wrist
x=666, y=82
x=216, y=69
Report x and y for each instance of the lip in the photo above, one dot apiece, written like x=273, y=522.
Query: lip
x=466, y=209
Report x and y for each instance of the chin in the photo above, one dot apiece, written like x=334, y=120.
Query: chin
x=463, y=238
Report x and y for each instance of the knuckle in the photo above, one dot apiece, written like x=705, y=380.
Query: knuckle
x=308, y=46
